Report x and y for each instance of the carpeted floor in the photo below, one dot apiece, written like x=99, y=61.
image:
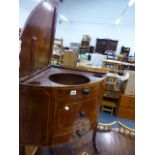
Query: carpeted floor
x=106, y=117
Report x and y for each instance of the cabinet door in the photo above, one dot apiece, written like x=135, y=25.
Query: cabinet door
x=112, y=45
x=101, y=45
x=34, y=111
x=73, y=118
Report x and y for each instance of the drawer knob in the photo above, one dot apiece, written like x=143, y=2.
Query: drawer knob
x=66, y=108
x=82, y=113
x=79, y=133
x=85, y=91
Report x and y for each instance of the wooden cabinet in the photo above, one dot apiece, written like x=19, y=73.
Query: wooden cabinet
x=53, y=114
x=70, y=58
x=57, y=105
x=102, y=45
x=126, y=107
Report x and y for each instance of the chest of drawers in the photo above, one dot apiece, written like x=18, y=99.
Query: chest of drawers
x=126, y=107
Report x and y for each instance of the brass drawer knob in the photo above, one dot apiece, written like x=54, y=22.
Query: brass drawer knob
x=66, y=108
x=83, y=114
x=85, y=91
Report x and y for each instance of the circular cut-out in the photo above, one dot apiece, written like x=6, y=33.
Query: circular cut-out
x=69, y=79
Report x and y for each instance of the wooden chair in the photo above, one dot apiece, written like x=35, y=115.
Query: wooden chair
x=108, y=106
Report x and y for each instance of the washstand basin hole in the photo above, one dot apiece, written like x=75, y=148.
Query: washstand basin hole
x=69, y=79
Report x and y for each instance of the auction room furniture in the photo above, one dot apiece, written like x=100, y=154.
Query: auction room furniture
x=70, y=58
x=107, y=105
x=111, y=94
x=59, y=107
x=102, y=45
x=114, y=65
x=126, y=107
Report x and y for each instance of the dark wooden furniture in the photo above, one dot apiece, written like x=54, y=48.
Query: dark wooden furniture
x=37, y=37
x=58, y=106
x=102, y=45
x=126, y=107
x=58, y=110
x=125, y=51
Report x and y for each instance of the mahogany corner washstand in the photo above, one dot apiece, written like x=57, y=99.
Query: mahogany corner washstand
x=57, y=106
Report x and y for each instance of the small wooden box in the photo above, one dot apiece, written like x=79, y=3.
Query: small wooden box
x=69, y=58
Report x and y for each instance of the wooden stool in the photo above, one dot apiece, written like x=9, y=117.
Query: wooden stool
x=110, y=104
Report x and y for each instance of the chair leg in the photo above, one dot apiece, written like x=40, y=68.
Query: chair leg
x=94, y=140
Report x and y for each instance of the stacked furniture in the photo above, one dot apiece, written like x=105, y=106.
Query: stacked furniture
x=102, y=45
x=69, y=58
x=85, y=44
x=111, y=95
x=126, y=108
x=84, y=48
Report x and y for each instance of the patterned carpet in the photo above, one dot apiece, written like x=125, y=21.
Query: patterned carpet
x=105, y=117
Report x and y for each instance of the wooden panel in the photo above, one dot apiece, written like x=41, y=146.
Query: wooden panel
x=70, y=59
x=126, y=107
x=37, y=38
x=126, y=113
x=66, y=92
x=127, y=99
x=102, y=45
x=34, y=111
x=70, y=110
x=124, y=104
x=74, y=116
x=50, y=116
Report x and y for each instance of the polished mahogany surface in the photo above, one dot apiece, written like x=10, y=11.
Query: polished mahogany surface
x=37, y=37
x=52, y=113
x=49, y=77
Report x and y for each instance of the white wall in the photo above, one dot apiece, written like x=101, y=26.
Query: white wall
x=74, y=32
x=93, y=17
x=96, y=18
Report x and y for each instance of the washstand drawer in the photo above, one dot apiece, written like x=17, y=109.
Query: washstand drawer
x=71, y=113
x=77, y=92
x=73, y=136
x=127, y=99
x=124, y=104
x=126, y=113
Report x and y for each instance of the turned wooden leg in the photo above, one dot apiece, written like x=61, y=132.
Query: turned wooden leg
x=94, y=140
x=21, y=150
